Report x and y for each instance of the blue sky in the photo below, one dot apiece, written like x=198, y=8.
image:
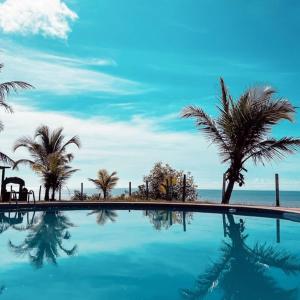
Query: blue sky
x=117, y=73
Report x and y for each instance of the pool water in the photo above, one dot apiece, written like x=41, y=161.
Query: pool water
x=147, y=255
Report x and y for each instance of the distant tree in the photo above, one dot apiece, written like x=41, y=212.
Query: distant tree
x=5, y=89
x=50, y=158
x=77, y=196
x=164, y=182
x=242, y=130
x=105, y=182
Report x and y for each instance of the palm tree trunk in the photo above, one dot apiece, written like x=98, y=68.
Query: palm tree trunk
x=228, y=191
x=104, y=194
x=47, y=191
x=53, y=194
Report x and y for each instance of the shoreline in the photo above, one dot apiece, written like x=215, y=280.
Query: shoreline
x=288, y=213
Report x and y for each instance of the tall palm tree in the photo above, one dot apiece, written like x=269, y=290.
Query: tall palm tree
x=45, y=239
x=5, y=89
x=105, y=181
x=50, y=158
x=242, y=130
x=241, y=272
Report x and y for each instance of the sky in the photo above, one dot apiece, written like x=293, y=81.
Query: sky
x=117, y=74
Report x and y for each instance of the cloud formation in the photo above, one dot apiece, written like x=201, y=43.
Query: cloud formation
x=131, y=148
x=63, y=75
x=47, y=17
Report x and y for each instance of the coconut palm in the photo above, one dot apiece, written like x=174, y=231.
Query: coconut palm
x=105, y=181
x=242, y=271
x=242, y=130
x=45, y=240
x=54, y=171
x=50, y=158
x=5, y=89
x=104, y=215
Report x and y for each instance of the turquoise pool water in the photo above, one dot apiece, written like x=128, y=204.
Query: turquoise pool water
x=147, y=255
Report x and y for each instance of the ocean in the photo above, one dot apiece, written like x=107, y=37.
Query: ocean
x=287, y=198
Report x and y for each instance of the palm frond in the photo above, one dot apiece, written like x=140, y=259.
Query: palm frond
x=6, y=159
x=207, y=124
x=277, y=258
x=272, y=148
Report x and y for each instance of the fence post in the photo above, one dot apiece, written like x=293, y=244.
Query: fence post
x=224, y=225
x=129, y=193
x=81, y=191
x=223, y=186
x=40, y=192
x=184, y=188
x=278, y=230
x=277, y=189
x=171, y=188
x=147, y=189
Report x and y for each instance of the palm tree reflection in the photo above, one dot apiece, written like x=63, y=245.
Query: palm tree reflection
x=45, y=240
x=242, y=271
x=104, y=215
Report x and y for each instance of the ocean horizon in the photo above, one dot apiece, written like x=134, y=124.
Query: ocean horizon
x=263, y=197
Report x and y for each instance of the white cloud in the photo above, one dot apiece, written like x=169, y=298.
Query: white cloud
x=46, y=17
x=131, y=148
x=63, y=75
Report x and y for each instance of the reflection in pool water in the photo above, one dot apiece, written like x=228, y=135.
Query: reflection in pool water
x=45, y=238
x=241, y=271
x=147, y=255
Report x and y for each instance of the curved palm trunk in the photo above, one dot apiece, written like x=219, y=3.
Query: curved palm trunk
x=228, y=191
x=47, y=192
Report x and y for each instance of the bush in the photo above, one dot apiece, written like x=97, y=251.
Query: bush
x=164, y=182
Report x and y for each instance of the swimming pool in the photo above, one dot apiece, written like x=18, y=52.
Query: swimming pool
x=106, y=254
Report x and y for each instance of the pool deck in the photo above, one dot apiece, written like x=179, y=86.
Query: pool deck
x=238, y=209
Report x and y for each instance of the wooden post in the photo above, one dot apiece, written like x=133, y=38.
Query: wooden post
x=223, y=186
x=147, y=189
x=81, y=191
x=40, y=192
x=277, y=189
x=277, y=230
x=184, y=188
x=171, y=188
x=129, y=192
x=171, y=217
x=183, y=221
x=168, y=189
x=224, y=225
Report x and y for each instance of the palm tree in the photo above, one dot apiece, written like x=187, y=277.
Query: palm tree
x=103, y=216
x=49, y=156
x=105, y=181
x=5, y=89
x=241, y=272
x=45, y=239
x=242, y=130
x=54, y=171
